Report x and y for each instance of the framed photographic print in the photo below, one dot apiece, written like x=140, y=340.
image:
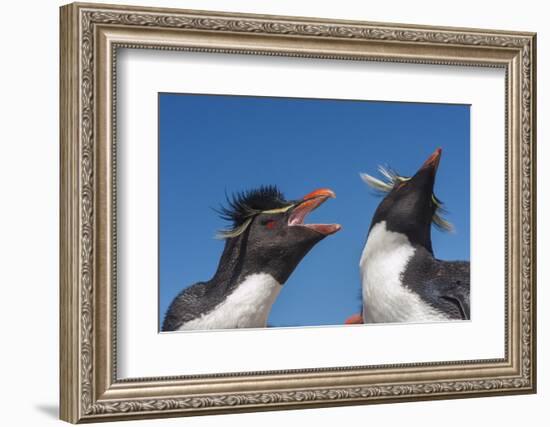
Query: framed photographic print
x=265, y=212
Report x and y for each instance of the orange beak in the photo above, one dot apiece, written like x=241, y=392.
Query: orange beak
x=310, y=202
x=433, y=161
x=323, y=192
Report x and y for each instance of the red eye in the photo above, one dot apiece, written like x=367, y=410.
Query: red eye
x=270, y=224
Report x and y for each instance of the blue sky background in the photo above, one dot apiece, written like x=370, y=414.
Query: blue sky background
x=211, y=144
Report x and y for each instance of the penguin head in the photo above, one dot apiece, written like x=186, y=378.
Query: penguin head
x=410, y=205
x=269, y=231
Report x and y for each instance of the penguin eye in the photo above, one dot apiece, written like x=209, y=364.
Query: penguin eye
x=270, y=224
x=401, y=184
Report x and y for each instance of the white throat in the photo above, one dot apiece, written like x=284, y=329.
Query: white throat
x=383, y=262
x=247, y=307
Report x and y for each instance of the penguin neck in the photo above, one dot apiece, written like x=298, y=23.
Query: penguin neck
x=418, y=234
x=239, y=260
x=231, y=268
x=386, y=298
x=243, y=295
x=382, y=243
x=246, y=305
x=421, y=237
x=384, y=260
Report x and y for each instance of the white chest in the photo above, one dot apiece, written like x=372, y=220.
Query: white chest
x=247, y=307
x=382, y=264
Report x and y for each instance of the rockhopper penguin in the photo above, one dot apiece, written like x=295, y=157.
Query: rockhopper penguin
x=267, y=240
x=402, y=281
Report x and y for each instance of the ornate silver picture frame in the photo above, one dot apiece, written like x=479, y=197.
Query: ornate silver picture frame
x=91, y=37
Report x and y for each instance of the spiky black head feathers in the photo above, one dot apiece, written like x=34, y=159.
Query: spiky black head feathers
x=243, y=206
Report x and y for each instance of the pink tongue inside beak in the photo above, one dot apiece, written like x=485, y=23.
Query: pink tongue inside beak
x=310, y=202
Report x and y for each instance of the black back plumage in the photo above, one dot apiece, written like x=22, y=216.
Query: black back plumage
x=444, y=285
x=186, y=306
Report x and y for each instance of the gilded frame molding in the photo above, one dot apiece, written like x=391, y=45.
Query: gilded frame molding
x=90, y=36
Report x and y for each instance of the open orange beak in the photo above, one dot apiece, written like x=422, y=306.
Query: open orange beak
x=309, y=203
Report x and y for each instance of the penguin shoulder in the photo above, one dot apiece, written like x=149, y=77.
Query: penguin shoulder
x=187, y=305
x=445, y=285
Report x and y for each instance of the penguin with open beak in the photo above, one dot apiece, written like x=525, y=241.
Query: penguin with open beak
x=267, y=240
x=402, y=281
